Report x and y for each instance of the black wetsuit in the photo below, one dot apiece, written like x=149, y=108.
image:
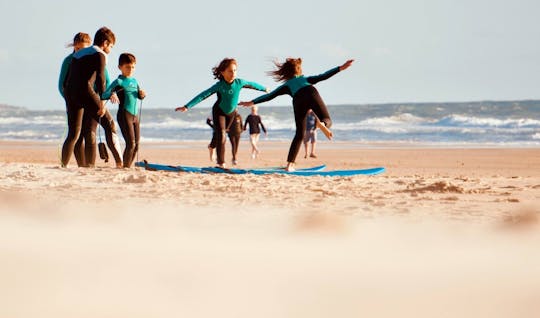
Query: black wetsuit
x=254, y=121
x=213, y=142
x=305, y=96
x=235, y=131
x=85, y=83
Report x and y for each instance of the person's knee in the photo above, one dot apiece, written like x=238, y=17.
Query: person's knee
x=90, y=137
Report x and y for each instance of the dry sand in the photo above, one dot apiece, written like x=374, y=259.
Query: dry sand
x=443, y=233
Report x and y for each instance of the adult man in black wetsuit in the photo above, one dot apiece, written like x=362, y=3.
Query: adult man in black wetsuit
x=84, y=85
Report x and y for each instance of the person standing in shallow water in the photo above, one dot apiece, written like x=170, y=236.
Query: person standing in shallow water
x=253, y=120
x=227, y=90
x=311, y=134
x=305, y=96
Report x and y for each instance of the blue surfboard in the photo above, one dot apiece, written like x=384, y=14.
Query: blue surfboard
x=331, y=173
x=161, y=167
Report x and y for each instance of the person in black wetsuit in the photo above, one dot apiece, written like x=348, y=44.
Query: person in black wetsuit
x=304, y=94
x=85, y=82
x=234, y=132
x=254, y=121
x=80, y=41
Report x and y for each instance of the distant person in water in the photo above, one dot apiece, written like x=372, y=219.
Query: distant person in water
x=254, y=121
x=80, y=41
x=311, y=134
x=235, y=132
x=128, y=91
x=305, y=96
x=227, y=90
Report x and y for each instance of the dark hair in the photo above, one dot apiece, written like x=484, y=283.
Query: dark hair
x=222, y=66
x=80, y=38
x=126, y=58
x=102, y=35
x=286, y=70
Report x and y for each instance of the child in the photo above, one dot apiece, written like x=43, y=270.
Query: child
x=305, y=96
x=85, y=83
x=235, y=131
x=80, y=41
x=311, y=134
x=128, y=91
x=254, y=120
x=227, y=89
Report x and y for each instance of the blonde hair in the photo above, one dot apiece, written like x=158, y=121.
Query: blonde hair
x=80, y=37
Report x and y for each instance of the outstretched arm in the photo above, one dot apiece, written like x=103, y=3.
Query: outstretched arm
x=326, y=75
x=197, y=99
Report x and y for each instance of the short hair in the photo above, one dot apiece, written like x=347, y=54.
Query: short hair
x=126, y=58
x=102, y=35
x=80, y=37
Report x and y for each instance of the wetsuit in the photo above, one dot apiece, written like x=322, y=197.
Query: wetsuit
x=254, y=121
x=213, y=142
x=305, y=96
x=235, y=131
x=225, y=107
x=127, y=89
x=84, y=84
x=78, y=148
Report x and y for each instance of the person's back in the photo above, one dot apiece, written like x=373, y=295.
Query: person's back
x=84, y=72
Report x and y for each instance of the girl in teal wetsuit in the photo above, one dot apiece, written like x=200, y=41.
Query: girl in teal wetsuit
x=224, y=110
x=305, y=96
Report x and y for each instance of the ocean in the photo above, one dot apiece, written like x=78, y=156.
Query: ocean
x=486, y=123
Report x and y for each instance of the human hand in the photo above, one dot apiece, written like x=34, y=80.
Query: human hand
x=182, y=109
x=246, y=104
x=346, y=65
x=142, y=94
x=102, y=111
x=114, y=99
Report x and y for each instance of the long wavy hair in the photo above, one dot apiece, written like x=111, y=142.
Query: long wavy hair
x=286, y=70
x=223, y=65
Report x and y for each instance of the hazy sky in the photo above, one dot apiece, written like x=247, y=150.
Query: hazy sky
x=405, y=50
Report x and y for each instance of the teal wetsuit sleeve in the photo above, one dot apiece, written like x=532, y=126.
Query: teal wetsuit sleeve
x=63, y=74
x=253, y=85
x=282, y=90
x=321, y=77
x=110, y=89
x=202, y=96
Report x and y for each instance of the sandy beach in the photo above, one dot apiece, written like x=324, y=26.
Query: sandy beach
x=450, y=232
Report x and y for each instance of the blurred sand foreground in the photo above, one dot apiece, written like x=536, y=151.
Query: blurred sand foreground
x=444, y=233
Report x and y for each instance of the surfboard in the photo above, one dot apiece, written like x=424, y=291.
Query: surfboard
x=330, y=173
x=162, y=167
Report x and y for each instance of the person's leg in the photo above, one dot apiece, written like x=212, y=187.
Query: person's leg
x=212, y=146
x=235, y=141
x=126, y=127
x=220, y=122
x=137, y=131
x=300, y=110
x=319, y=107
x=75, y=118
x=111, y=136
x=78, y=151
x=89, y=132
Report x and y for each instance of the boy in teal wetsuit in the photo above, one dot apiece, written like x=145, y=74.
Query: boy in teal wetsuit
x=128, y=91
x=224, y=110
